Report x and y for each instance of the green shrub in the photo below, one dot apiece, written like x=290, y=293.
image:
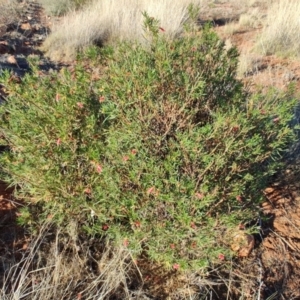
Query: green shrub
x=158, y=148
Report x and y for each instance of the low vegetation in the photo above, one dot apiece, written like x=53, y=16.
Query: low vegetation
x=281, y=30
x=9, y=14
x=61, y=7
x=162, y=153
x=121, y=22
x=147, y=152
x=105, y=22
x=57, y=267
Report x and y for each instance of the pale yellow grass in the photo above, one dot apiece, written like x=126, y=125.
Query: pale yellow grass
x=244, y=65
x=249, y=64
x=61, y=7
x=112, y=20
x=281, y=32
x=252, y=19
x=60, y=267
x=231, y=28
x=9, y=13
x=57, y=7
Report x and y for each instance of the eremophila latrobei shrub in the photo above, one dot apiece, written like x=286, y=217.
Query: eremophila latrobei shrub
x=163, y=151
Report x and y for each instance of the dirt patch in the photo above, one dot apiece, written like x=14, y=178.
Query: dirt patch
x=12, y=236
x=22, y=39
x=280, y=254
x=260, y=71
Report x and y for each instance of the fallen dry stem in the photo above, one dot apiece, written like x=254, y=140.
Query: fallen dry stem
x=55, y=268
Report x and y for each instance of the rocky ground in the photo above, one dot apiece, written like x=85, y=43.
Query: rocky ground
x=272, y=270
x=21, y=39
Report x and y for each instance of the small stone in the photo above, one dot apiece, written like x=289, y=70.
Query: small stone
x=243, y=243
x=269, y=190
x=26, y=26
x=11, y=59
x=288, y=76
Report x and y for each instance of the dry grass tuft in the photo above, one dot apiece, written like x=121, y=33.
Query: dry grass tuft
x=9, y=13
x=250, y=64
x=245, y=65
x=252, y=19
x=109, y=21
x=57, y=267
x=281, y=34
x=231, y=28
x=57, y=7
x=60, y=7
x=60, y=266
